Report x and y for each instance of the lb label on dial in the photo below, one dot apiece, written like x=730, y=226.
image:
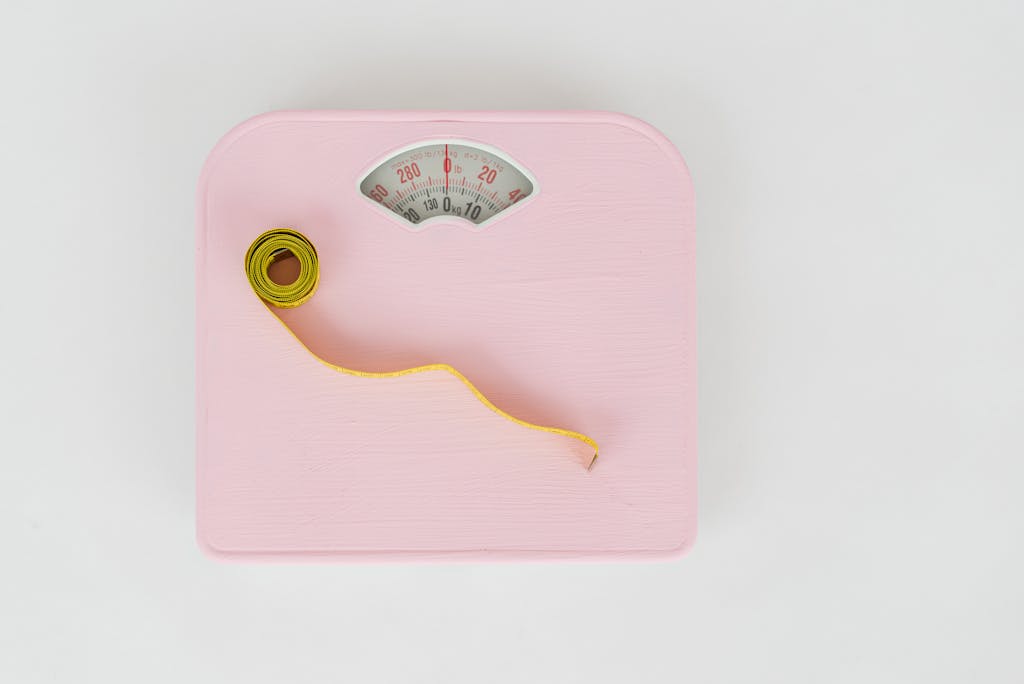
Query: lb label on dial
x=447, y=179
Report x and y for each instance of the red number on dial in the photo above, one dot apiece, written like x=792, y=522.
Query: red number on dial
x=407, y=173
x=488, y=174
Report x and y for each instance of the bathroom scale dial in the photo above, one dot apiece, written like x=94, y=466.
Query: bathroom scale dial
x=447, y=178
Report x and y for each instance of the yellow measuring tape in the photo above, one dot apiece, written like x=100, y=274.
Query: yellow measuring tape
x=279, y=243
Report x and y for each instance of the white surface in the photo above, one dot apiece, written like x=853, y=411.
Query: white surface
x=861, y=239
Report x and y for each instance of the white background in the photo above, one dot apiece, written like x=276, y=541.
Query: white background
x=861, y=239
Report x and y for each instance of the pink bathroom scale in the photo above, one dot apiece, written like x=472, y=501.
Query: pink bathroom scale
x=547, y=257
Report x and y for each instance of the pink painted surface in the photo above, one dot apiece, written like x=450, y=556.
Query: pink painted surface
x=574, y=309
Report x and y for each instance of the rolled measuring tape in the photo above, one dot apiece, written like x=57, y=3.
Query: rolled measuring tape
x=279, y=243
x=266, y=250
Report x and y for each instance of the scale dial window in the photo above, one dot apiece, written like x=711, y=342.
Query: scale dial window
x=447, y=179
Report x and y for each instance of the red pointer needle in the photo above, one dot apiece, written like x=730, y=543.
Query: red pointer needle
x=447, y=167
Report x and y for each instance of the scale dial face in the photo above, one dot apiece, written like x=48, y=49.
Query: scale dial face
x=447, y=179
